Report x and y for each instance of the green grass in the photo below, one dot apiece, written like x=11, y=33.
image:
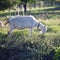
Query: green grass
x=53, y=28
x=38, y=43
x=52, y=12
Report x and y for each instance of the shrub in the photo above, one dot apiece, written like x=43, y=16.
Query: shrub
x=57, y=55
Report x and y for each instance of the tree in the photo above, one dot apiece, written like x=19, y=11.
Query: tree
x=33, y=1
x=24, y=2
x=4, y=4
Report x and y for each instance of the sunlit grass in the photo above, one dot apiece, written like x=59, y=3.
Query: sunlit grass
x=51, y=22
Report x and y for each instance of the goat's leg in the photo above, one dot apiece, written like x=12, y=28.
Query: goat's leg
x=30, y=32
x=10, y=31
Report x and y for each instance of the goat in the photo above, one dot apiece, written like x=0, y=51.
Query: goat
x=22, y=22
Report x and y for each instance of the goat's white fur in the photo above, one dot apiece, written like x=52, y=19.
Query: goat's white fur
x=21, y=22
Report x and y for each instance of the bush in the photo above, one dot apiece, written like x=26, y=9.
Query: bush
x=57, y=55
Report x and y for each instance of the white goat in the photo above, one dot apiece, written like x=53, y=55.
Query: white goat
x=21, y=22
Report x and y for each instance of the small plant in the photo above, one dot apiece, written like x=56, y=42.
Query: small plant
x=57, y=55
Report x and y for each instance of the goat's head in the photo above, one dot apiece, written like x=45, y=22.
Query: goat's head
x=42, y=27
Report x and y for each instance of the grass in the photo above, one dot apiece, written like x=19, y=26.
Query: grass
x=53, y=28
x=38, y=43
x=44, y=12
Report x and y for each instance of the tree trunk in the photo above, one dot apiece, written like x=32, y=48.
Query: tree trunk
x=25, y=7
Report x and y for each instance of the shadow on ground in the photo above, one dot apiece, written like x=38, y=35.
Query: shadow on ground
x=24, y=53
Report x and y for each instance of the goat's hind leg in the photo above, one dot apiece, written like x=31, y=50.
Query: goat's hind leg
x=10, y=31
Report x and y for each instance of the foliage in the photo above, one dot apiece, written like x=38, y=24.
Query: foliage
x=24, y=1
x=5, y=4
x=8, y=3
x=57, y=55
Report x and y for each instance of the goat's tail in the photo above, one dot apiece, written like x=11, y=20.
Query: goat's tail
x=6, y=22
